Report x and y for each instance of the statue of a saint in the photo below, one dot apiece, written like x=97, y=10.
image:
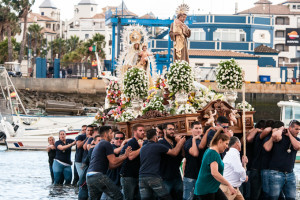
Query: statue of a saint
x=179, y=32
x=144, y=62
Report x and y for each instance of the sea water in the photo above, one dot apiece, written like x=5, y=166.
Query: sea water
x=25, y=175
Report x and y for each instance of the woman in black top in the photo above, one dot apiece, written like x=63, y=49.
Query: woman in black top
x=62, y=162
x=51, y=154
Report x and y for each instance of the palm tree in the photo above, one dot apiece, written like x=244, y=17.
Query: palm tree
x=22, y=7
x=73, y=43
x=99, y=41
x=35, y=31
x=58, y=46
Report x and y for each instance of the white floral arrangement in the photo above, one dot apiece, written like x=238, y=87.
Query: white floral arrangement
x=126, y=116
x=154, y=104
x=203, y=97
x=248, y=106
x=136, y=83
x=185, y=109
x=180, y=77
x=229, y=75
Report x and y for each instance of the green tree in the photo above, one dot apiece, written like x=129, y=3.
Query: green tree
x=4, y=50
x=99, y=41
x=58, y=46
x=22, y=7
x=36, y=37
x=73, y=43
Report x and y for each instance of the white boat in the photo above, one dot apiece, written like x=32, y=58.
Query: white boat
x=290, y=110
x=23, y=131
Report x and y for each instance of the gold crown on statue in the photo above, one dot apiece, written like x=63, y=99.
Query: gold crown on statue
x=135, y=37
x=182, y=9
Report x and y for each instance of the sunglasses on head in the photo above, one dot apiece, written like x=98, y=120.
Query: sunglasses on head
x=119, y=138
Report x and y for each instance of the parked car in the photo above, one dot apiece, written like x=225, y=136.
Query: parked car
x=13, y=69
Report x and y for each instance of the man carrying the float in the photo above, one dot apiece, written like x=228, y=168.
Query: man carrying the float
x=179, y=32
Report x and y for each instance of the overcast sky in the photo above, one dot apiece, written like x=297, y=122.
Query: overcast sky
x=160, y=8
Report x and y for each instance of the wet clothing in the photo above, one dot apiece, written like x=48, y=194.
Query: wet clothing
x=63, y=156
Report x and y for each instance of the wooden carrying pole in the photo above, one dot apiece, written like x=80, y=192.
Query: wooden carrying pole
x=244, y=115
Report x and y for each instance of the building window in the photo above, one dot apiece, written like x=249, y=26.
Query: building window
x=281, y=47
x=109, y=51
x=283, y=59
x=282, y=21
x=279, y=34
x=48, y=25
x=101, y=24
x=298, y=6
x=92, y=9
x=86, y=36
x=236, y=35
x=42, y=13
x=198, y=34
x=214, y=65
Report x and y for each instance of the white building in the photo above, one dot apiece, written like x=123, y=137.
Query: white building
x=286, y=15
x=87, y=21
x=48, y=18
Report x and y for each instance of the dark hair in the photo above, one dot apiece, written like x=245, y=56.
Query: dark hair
x=261, y=124
x=233, y=140
x=293, y=122
x=119, y=132
x=206, y=128
x=219, y=135
x=97, y=136
x=83, y=126
x=136, y=126
x=222, y=119
x=165, y=125
x=195, y=123
x=160, y=127
x=90, y=126
x=269, y=123
x=103, y=130
x=277, y=124
x=151, y=133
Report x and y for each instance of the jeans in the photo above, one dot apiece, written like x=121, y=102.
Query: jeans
x=188, y=188
x=105, y=197
x=280, y=181
x=245, y=188
x=174, y=188
x=99, y=183
x=130, y=188
x=78, y=168
x=265, y=182
x=255, y=184
x=150, y=185
x=60, y=170
x=51, y=173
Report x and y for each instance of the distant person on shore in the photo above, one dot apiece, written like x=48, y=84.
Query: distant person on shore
x=234, y=172
x=103, y=157
x=62, y=162
x=51, y=154
x=284, y=148
x=211, y=172
x=150, y=181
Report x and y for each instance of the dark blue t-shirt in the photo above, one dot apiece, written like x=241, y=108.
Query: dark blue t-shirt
x=90, y=140
x=79, y=151
x=210, y=136
x=257, y=149
x=130, y=168
x=150, y=156
x=282, y=160
x=99, y=161
x=193, y=164
x=114, y=174
x=85, y=152
x=64, y=156
x=265, y=155
x=169, y=166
